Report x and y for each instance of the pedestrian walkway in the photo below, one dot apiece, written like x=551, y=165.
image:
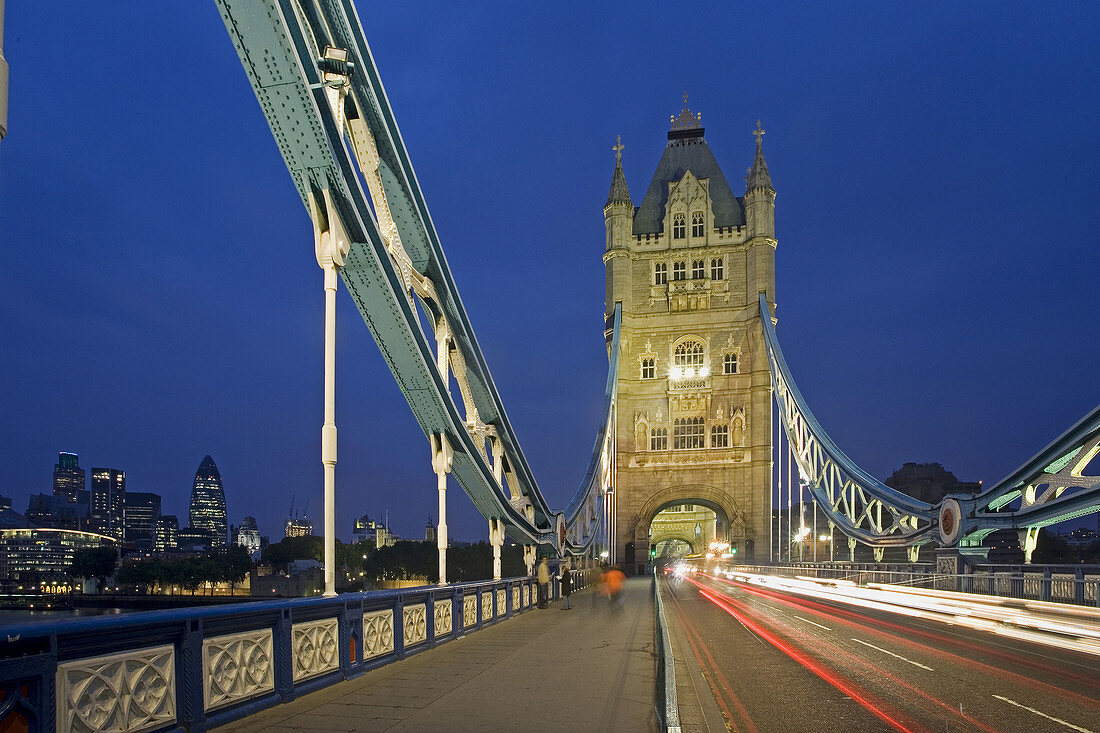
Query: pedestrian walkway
x=589, y=669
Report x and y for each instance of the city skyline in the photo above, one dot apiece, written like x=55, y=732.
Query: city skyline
x=931, y=275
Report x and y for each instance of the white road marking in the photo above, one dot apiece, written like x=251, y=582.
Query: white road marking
x=884, y=651
x=1040, y=713
x=812, y=622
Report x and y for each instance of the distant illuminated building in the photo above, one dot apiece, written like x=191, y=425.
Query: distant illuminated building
x=365, y=529
x=68, y=476
x=208, y=503
x=248, y=534
x=166, y=532
x=35, y=561
x=194, y=539
x=142, y=512
x=109, y=501
x=295, y=527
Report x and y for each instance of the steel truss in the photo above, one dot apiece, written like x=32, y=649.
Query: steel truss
x=311, y=68
x=1051, y=487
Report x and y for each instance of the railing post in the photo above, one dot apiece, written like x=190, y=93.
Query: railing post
x=282, y=648
x=399, y=627
x=1044, y=592
x=190, y=684
x=429, y=618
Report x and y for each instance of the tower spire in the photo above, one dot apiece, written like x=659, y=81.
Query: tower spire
x=758, y=176
x=619, y=193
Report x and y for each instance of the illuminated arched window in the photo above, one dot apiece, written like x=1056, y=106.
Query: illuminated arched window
x=697, y=224
x=690, y=353
x=678, y=227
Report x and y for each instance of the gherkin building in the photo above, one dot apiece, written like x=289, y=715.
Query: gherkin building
x=208, y=503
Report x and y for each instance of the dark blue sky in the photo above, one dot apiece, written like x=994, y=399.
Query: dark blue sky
x=937, y=174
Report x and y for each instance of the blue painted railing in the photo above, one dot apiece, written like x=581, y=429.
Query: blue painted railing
x=195, y=668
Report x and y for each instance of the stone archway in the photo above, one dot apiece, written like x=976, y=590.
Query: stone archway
x=730, y=518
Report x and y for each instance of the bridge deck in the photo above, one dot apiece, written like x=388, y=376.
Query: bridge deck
x=585, y=669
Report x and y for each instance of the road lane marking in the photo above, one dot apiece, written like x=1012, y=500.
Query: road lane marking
x=1040, y=713
x=811, y=622
x=885, y=651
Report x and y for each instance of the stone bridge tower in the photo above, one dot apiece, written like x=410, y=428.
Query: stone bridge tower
x=693, y=423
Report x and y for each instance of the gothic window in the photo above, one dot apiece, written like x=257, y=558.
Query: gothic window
x=720, y=436
x=716, y=269
x=678, y=228
x=679, y=271
x=660, y=273
x=698, y=269
x=729, y=364
x=689, y=354
x=649, y=369
x=687, y=433
x=658, y=439
x=697, y=224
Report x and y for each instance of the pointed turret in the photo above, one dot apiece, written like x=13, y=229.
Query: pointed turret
x=619, y=193
x=760, y=218
x=618, y=212
x=758, y=176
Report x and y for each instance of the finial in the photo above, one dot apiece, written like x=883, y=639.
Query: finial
x=686, y=120
x=759, y=132
x=618, y=148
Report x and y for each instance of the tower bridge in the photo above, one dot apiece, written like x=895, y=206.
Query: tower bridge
x=685, y=457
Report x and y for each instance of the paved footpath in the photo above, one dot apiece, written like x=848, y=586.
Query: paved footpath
x=589, y=669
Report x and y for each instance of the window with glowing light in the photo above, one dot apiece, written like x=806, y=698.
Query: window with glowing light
x=687, y=433
x=716, y=269
x=660, y=273
x=720, y=436
x=698, y=269
x=658, y=439
x=649, y=368
x=690, y=354
x=729, y=364
x=679, y=271
x=678, y=227
x=697, y=224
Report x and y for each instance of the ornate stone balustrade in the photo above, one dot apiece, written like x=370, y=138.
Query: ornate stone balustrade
x=200, y=668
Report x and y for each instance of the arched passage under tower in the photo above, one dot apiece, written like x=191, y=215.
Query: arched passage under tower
x=681, y=520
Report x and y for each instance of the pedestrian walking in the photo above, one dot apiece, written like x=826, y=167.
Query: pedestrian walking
x=544, y=582
x=601, y=585
x=566, y=588
x=615, y=580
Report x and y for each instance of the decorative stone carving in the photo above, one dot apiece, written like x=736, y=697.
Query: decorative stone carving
x=502, y=602
x=377, y=633
x=237, y=667
x=469, y=611
x=315, y=647
x=129, y=691
x=515, y=598
x=444, y=617
x=526, y=596
x=699, y=456
x=415, y=623
x=486, y=606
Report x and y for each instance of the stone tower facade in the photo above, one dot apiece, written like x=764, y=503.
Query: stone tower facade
x=693, y=423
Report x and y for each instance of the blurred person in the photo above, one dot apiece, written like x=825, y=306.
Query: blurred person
x=601, y=585
x=566, y=588
x=544, y=582
x=615, y=580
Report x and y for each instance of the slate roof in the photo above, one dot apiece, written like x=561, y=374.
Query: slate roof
x=686, y=150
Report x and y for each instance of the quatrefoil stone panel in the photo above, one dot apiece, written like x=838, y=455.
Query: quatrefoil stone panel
x=129, y=691
x=315, y=647
x=237, y=667
x=377, y=633
x=415, y=623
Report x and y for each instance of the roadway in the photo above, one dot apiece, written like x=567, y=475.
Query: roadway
x=774, y=661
